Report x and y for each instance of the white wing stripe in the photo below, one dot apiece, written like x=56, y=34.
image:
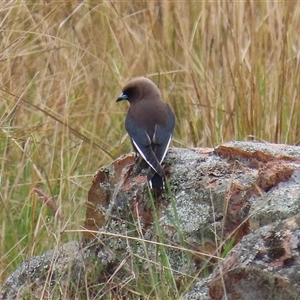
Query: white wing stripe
x=166, y=150
x=142, y=154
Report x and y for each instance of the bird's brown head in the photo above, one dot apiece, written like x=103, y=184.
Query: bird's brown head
x=140, y=88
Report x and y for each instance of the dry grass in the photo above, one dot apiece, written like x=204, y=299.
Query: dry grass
x=230, y=70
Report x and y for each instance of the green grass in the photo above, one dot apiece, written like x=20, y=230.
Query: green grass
x=230, y=70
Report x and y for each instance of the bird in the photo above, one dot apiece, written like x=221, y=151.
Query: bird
x=150, y=124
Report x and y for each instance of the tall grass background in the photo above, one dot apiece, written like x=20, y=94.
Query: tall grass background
x=229, y=69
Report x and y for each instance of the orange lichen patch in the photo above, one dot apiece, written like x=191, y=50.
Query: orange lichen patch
x=237, y=211
x=238, y=205
x=97, y=197
x=213, y=184
x=139, y=179
x=273, y=172
x=237, y=153
x=204, y=150
x=99, y=194
x=143, y=213
x=119, y=164
x=130, y=181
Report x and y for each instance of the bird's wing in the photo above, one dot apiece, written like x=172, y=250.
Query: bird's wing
x=143, y=144
x=163, y=135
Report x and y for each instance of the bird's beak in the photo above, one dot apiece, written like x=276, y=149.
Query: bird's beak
x=122, y=97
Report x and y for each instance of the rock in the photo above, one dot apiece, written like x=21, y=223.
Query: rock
x=215, y=198
x=31, y=275
x=200, y=290
x=46, y=276
x=265, y=265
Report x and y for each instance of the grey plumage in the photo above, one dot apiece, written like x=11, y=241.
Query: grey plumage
x=150, y=123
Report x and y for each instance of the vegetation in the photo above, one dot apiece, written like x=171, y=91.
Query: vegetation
x=230, y=70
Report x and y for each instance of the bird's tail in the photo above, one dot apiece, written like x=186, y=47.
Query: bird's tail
x=155, y=180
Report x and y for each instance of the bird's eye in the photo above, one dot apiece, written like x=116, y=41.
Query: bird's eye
x=129, y=92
